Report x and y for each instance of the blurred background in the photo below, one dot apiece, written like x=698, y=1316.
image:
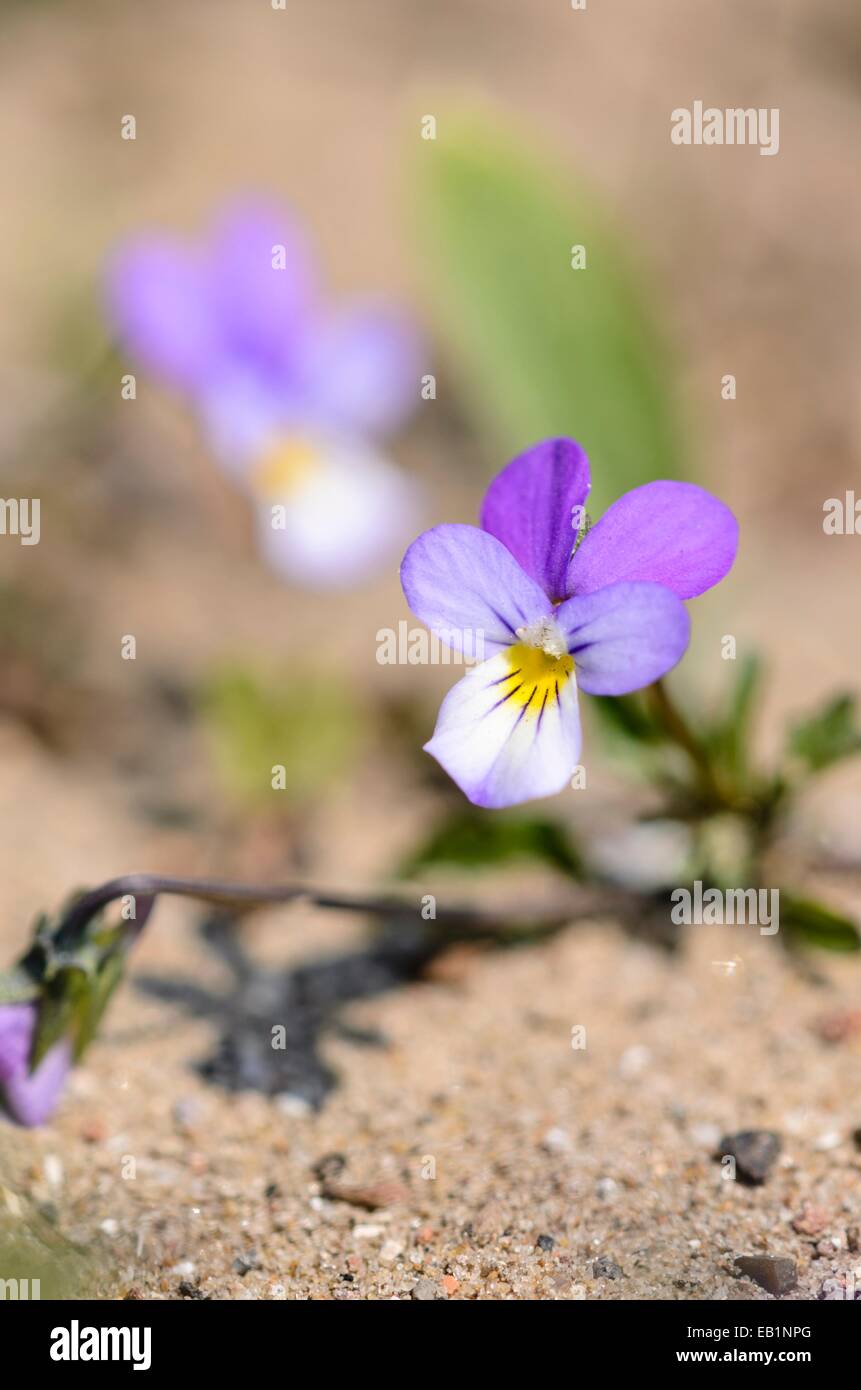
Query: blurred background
x=551, y=129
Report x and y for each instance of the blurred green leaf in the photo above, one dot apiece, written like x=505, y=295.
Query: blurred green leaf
x=307, y=724
x=44, y=1262
x=544, y=349
x=475, y=839
x=728, y=740
x=827, y=736
x=816, y=925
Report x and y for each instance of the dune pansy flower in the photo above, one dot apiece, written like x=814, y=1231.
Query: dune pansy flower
x=606, y=618
x=29, y=1096
x=292, y=394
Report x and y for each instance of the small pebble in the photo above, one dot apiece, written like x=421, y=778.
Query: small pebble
x=774, y=1273
x=831, y=1139
x=185, y=1112
x=605, y=1268
x=53, y=1169
x=754, y=1150
x=425, y=1291
x=810, y=1220
x=295, y=1107
x=557, y=1140
x=390, y=1251
x=634, y=1061
x=191, y=1291
x=605, y=1188
x=371, y=1196
x=853, y=1239
x=705, y=1134
x=838, y=1288
x=545, y=1242
x=450, y=1284
x=838, y=1026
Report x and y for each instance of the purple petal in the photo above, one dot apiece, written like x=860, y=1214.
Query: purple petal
x=625, y=636
x=158, y=299
x=263, y=279
x=675, y=534
x=469, y=589
x=32, y=1098
x=17, y=1022
x=363, y=371
x=503, y=741
x=530, y=508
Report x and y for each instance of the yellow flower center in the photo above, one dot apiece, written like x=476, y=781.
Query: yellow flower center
x=539, y=667
x=283, y=468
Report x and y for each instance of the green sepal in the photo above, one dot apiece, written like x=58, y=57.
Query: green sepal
x=17, y=987
x=71, y=984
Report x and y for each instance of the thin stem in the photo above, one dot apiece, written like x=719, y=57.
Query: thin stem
x=248, y=896
x=678, y=729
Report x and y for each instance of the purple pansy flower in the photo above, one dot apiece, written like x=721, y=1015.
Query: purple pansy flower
x=606, y=618
x=291, y=393
x=29, y=1097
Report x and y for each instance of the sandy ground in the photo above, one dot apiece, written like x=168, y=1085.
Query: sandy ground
x=479, y=1128
x=606, y=1151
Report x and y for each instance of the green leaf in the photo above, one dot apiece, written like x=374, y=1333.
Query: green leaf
x=816, y=925
x=478, y=840
x=543, y=349
x=827, y=736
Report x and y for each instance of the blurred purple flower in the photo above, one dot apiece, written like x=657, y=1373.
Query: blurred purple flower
x=292, y=394
x=607, y=617
x=30, y=1098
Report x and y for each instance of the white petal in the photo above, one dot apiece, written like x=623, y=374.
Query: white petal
x=347, y=516
x=504, y=739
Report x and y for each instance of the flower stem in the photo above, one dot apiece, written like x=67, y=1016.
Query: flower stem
x=679, y=731
x=245, y=896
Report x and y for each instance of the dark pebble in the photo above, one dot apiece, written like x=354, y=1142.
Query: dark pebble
x=546, y=1242
x=605, y=1268
x=774, y=1273
x=329, y=1166
x=754, y=1151
x=190, y=1291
